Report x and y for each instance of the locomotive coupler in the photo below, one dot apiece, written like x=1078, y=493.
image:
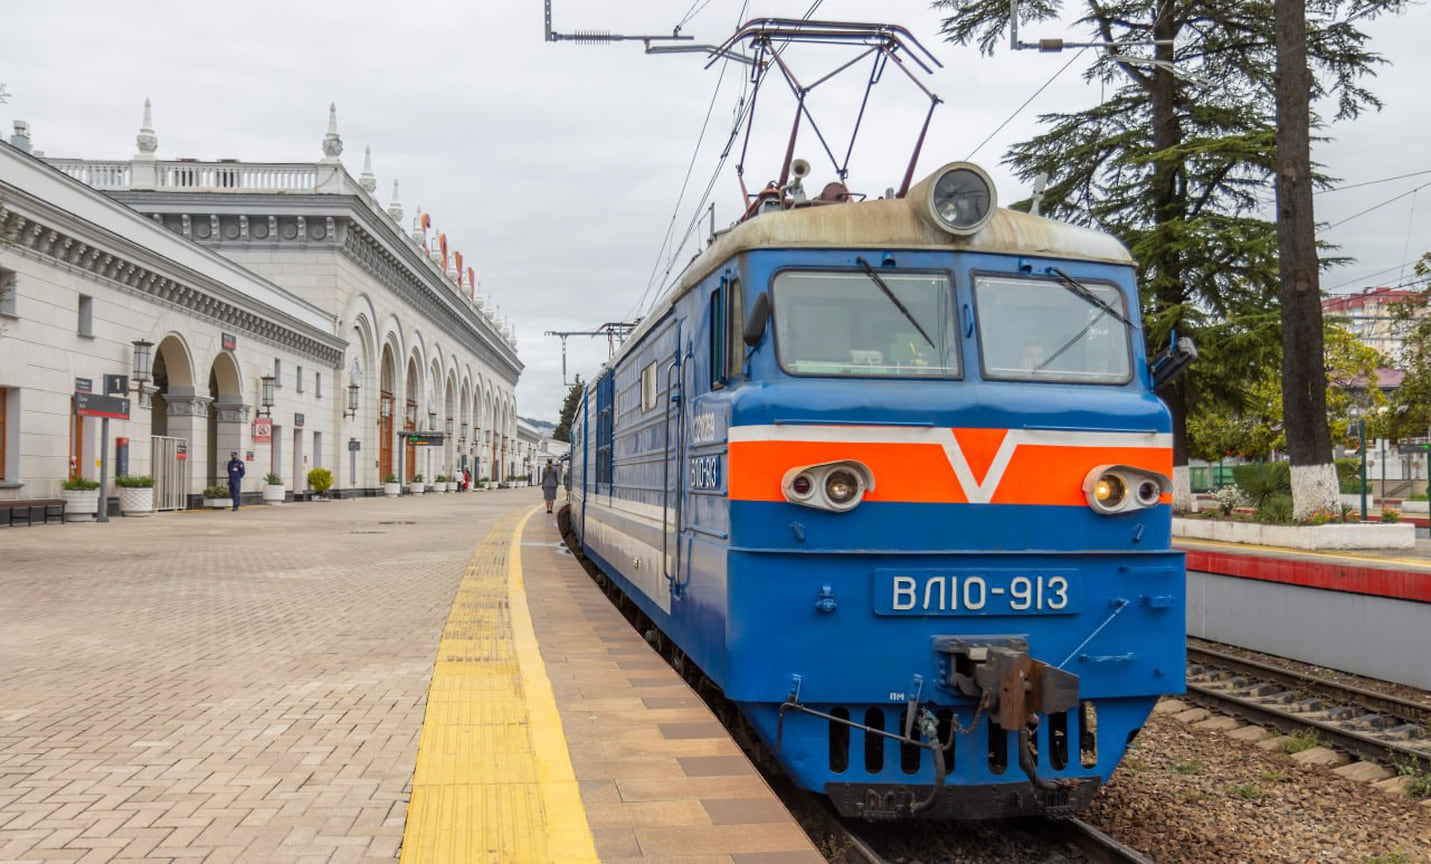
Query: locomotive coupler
x=998, y=671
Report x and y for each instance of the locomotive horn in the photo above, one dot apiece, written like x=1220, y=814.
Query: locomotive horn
x=799, y=168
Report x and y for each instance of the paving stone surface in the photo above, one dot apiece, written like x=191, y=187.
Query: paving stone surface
x=219, y=686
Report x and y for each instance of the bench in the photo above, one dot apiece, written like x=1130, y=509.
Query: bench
x=28, y=511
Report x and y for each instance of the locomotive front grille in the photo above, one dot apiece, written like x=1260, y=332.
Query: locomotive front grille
x=854, y=739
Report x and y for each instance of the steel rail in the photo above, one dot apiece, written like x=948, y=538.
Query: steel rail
x=1097, y=847
x=1380, y=703
x=1356, y=743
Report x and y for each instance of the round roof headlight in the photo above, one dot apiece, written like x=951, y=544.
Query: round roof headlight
x=961, y=199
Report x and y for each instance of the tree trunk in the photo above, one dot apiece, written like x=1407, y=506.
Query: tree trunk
x=1168, y=288
x=1304, y=380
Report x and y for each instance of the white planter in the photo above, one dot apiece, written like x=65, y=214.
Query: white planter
x=417, y=488
x=272, y=494
x=392, y=490
x=80, y=504
x=444, y=487
x=1399, y=535
x=136, y=500
x=218, y=503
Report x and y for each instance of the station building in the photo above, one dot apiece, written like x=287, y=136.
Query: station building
x=277, y=310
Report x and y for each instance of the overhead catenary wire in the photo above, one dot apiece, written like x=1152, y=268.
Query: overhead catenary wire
x=1376, y=207
x=741, y=114
x=640, y=304
x=1019, y=110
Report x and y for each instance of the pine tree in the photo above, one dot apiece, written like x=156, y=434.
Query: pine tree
x=1177, y=163
x=568, y=411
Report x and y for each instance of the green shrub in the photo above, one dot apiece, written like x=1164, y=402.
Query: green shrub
x=320, y=480
x=1261, y=480
x=417, y=478
x=134, y=481
x=391, y=478
x=216, y=491
x=1276, y=510
x=272, y=479
x=1390, y=515
x=79, y=484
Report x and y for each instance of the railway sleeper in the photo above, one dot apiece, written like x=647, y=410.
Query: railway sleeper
x=1404, y=732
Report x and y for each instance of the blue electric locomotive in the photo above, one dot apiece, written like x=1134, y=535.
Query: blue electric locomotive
x=892, y=474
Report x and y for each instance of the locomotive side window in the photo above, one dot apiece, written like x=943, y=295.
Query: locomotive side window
x=889, y=325
x=734, y=340
x=1038, y=330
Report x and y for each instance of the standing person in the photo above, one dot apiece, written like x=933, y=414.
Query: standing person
x=236, y=472
x=549, y=485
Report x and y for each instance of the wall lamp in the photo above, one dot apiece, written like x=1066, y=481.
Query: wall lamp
x=432, y=421
x=140, y=369
x=463, y=438
x=352, y=401
x=386, y=407
x=265, y=394
x=449, y=427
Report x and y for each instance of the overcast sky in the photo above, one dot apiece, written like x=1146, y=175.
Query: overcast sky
x=556, y=168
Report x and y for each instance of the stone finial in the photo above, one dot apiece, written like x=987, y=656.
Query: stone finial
x=395, y=206
x=366, y=179
x=332, y=144
x=147, y=140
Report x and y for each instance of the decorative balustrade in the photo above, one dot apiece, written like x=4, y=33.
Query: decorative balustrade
x=237, y=176
x=198, y=176
x=99, y=175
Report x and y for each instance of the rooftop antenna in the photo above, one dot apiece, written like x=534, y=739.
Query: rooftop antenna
x=1059, y=44
x=614, y=331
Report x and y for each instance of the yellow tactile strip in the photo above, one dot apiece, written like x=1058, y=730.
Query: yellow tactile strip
x=493, y=781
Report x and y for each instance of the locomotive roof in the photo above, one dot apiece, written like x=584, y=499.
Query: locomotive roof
x=894, y=223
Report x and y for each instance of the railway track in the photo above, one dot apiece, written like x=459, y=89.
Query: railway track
x=1367, y=724
x=845, y=841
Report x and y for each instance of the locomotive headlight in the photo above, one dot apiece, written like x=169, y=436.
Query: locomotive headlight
x=1121, y=488
x=841, y=487
x=836, y=486
x=1109, y=491
x=958, y=198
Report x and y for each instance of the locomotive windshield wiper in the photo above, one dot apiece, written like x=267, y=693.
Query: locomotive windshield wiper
x=870, y=271
x=1078, y=289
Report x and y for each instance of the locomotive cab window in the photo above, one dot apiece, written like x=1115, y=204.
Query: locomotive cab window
x=887, y=325
x=1039, y=330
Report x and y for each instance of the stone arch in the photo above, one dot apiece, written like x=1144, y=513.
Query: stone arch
x=173, y=373
x=228, y=415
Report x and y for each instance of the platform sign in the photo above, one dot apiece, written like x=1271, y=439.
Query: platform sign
x=116, y=385
x=84, y=385
x=298, y=421
x=182, y=451
x=1407, y=448
x=229, y=341
x=263, y=430
x=94, y=405
x=424, y=439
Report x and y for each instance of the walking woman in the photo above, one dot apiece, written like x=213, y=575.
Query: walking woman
x=549, y=484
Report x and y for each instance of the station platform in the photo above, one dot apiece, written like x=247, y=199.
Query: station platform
x=426, y=679
x=1401, y=574
x=1363, y=612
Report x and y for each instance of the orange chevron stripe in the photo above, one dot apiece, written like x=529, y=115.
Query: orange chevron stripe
x=902, y=472
x=921, y=472
x=980, y=446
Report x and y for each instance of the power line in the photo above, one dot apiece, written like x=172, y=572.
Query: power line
x=1371, y=182
x=1020, y=109
x=1378, y=206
